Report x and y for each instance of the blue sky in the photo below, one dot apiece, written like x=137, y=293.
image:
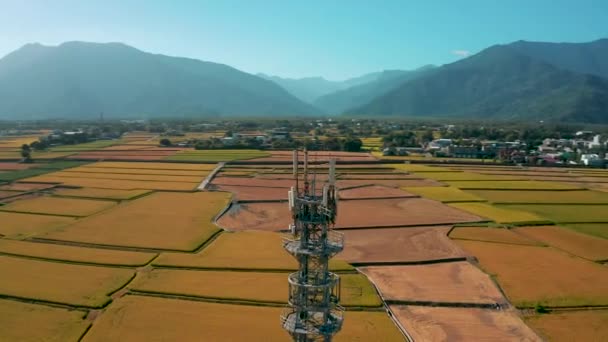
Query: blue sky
x=334, y=39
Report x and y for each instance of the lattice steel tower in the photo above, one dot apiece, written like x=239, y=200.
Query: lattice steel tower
x=314, y=292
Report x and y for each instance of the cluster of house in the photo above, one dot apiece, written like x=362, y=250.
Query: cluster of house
x=586, y=148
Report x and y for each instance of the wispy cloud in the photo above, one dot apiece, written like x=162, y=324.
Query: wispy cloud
x=461, y=53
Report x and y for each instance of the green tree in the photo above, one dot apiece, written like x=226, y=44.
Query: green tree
x=26, y=153
x=165, y=142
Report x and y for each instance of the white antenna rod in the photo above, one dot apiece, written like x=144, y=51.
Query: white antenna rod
x=332, y=171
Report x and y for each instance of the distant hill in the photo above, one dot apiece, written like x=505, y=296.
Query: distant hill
x=309, y=89
x=357, y=95
x=500, y=82
x=587, y=58
x=81, y=80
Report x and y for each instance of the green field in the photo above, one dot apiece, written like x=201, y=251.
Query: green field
x=38, y=170
x=510, y=185
x=94, y=145
x=595, y=229
x=566, y=213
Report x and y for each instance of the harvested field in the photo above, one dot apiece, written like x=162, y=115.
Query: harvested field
x=252, y=193
x=140, y=155
x=218, y=155
x=51, y=324
x=316, y=156
x=567, y=213
x=264, y=287
x=582, y=245
x=387, y=213
x=21, y=226
x=595, y=229
x=462, y=324
x=453, y=282
x=6, y=194
x=543, y=197
x=384, y=175
x=418, y=168
x=114, y=183
x=247, y=250
x=445, y=194
x=584, y=282
x=500, y=215
x=110, y=194
x=12, y=166
x=511, y=185
x=58, y=206
x=139, y=318
x=586, y=325
x=373, y=191
x=74, y=254
x=399, y=245
x=395, y=183
x=486, y=234
x=25, y=187
x=63, y=283
x=177, y=221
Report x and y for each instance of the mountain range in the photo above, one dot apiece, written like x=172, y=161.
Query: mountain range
x=518, y=81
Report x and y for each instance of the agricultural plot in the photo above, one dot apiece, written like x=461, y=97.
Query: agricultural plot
x=141, y=155
x=13, y=166
x=51, y=324
x=74, y=254
x=461, y=176
x=139, y=318
x=25, y=187
x=566, y=213
x=252, y=193
x=48, y=205
x=372, y=143
x=542, y=197
x=316, y=156
x=395, y=183
x=585, y=325
x=373, y=191
x=487, y=234
x=109, y=194
x=387, y=213
x=582, y=245
x=79, y=285
x=94, y=145
x=445, y=194
x=453, y=282
x=218, y=155
x=398, y=245
x=135, y=171
x=425, y=323
x=595, y=229
x=418, y=168
x=376, y=175
x=247, y=250
x=21, y=226
x=174, y=221
x=114, y=183
x=511, y=185
x=500, y=215
x=6, y=194
x=254, y=182
x=154, y=166
x=115, y=176
x=264, y=287
x=516, y=267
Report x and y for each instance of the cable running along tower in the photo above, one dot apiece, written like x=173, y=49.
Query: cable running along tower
x=314, y=292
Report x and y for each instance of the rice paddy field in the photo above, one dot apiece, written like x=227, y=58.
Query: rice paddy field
x=134, y=250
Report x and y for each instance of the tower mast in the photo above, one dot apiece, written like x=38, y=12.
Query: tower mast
x=314, y=292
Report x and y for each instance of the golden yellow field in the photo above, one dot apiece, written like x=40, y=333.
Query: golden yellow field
x=30, y=322
x=112, y=194
x=114, y=183
x=445, y=194
x=500, y=215
x=175, y=221
x=58, y=206
x=154, y=166
x=21, y=226
x=255, y=250
x=585, y=246
x=584, y=325
x=75, y=254
x=115, y=170
x=121, y=176
x=61, y=283
x=498, y=235
x=247, y=286
x=139, y=318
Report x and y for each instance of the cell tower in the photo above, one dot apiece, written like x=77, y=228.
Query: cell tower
x=314, y=292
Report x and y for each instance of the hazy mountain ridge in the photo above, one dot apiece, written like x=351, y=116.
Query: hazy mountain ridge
x=500, y=82
x=309, y=89
x=77, y=79
x=358, y=95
